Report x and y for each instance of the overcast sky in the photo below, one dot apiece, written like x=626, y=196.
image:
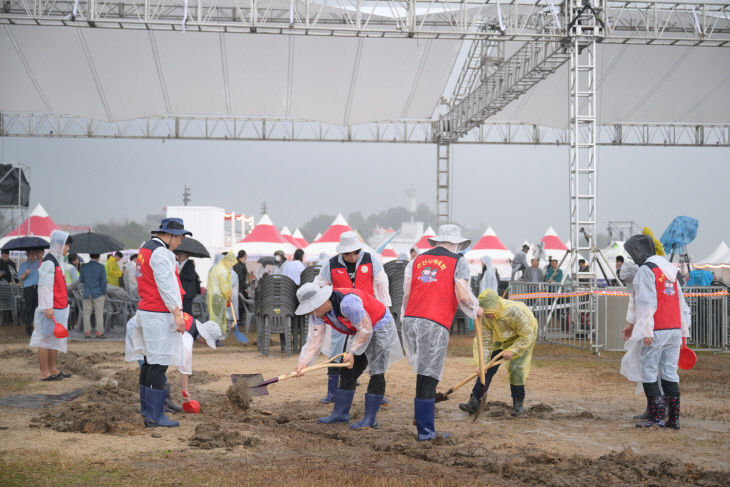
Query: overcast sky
x=518, y=190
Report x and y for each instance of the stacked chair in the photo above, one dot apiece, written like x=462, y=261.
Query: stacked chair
x=395, y=270
x=275, y=305
x=309, y=274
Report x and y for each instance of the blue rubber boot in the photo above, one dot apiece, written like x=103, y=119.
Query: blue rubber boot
x=424, y=412
x=155, y=400
x=142, y=402
x=372, y=405
x=341, y=411
x=332, y=382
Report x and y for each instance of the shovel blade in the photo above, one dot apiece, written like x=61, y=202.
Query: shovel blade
x=482, y=403
x=252, y=380
x=442, y=396
x=240, y=336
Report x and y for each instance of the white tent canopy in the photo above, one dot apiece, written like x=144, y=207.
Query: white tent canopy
x=715, y=258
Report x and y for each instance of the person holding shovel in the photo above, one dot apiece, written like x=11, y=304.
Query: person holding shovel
x=434, y=284
x=52, y=308
x=511, y=328
x=350, y=268
x=374, y=345
x=220, y=290
x=159, y=323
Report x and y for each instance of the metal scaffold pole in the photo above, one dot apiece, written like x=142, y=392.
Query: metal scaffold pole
x=443, y=184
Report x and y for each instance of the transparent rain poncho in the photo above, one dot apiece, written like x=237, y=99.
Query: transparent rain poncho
x=42, y=336
x=489, y=277
x=219, y=289
x=424, y=341
x=380, y=345
x=511, y=326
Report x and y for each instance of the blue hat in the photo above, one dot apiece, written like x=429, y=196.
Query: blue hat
x=173, y=226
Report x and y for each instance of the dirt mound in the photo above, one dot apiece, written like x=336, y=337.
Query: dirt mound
x=209, y=436
x=83, y=365
x=18, y=353
x=240, y=395
x=202, y=377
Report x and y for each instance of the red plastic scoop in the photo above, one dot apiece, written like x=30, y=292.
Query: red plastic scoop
x=191, y=406
x=687, y=357
x=59, y=331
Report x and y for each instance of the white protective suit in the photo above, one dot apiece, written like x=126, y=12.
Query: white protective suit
x=379, y=342
x=426, y=341
x=43, y=336
x=638, y=365
x=334, y=342
x=489, y=277
x=130, y=280
x=155, y=335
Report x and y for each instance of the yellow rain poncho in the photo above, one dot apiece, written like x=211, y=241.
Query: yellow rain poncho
x=657, y=244
x=219, y=290
x=510, y=326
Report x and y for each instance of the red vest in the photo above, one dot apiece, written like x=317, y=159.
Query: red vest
x=149, y=296
x=363, y=274
x=432, y=293
x=667, y=315
x=374, y=308
x=60, y=293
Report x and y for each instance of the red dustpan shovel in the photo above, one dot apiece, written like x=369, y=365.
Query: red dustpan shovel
x=59, y=331
x=687, y=357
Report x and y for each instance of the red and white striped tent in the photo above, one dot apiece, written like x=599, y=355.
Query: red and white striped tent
x=301, y=241
x=554, y=247
x=422, y=243
x=388, y=254
x=264, y=239
x=286, y=233
x=38, y=224
x=327, y=243
x=489, y=244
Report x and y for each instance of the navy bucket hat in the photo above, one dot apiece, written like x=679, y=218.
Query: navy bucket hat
x=173, y=226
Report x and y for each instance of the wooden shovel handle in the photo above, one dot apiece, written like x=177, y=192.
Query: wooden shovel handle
x=480, y=347
x=495, y=361
x=316, y=367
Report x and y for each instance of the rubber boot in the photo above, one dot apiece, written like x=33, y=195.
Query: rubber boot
x=372, y=406
x=476, y=396
x=656, y=413
x=170, y=407
x=142, y=402
x=155, y=401
x=673, y=416
x=384, y=401
x=518, y=397
x=341, y=411
x=645, y=414
x=424, y=411
x=332, y=382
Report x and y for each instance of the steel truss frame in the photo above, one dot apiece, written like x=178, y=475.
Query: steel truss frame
x=396, y=132
x=648, y=22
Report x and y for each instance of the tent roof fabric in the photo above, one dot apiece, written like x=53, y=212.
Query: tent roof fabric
x=329, y=240
x=422, y=243
x=489, y=240
x=719, y=256
x=301, y=241
x=489, y=245
x=286, y=233
x=38, y=224
x=265, y=239
x=552, y=241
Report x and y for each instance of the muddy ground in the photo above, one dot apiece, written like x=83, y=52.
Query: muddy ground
x=577, y=429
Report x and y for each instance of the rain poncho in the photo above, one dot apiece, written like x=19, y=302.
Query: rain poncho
x=489, y=277
x=130, y=280
x=519, y=263
x=220, y=289
x=513, y=327
x=43, y=336
x=155, y=335
x=113, y=272
x=425, y=341
x=379, y=342
x=640, y=363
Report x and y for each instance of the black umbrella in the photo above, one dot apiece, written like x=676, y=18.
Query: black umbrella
x=267, y=260
x=191, y=246
x=94, y=243
x=26, y=243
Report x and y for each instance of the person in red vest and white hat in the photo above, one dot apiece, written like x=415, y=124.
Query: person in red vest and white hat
x=350, y=268
x=434, y=284
x=374, y=345
x=159, y=325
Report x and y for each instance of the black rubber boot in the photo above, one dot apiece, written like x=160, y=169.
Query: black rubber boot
x=673, y=416
x=518, y=397
x=476, y=396
x=656, y=413
x=645, y=414
x=170, y=407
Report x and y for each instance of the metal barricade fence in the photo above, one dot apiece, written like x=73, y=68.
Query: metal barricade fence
x=709, y=307
x=566, y=319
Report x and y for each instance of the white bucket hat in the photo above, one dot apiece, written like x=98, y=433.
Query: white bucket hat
x=349, y=242
x=451, y=234
x=210, y=331
x=311, y=297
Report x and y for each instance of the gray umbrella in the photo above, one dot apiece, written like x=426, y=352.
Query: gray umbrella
x=94, y=243
x=191, y=246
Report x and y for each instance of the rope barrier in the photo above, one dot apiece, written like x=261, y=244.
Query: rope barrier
x=543, y=295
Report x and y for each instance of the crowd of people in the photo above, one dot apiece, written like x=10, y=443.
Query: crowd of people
x=348, y=317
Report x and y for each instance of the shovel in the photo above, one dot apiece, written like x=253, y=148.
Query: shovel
x=444, y=396
x=240, y=336
x=258, y=384
x=496, y=360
